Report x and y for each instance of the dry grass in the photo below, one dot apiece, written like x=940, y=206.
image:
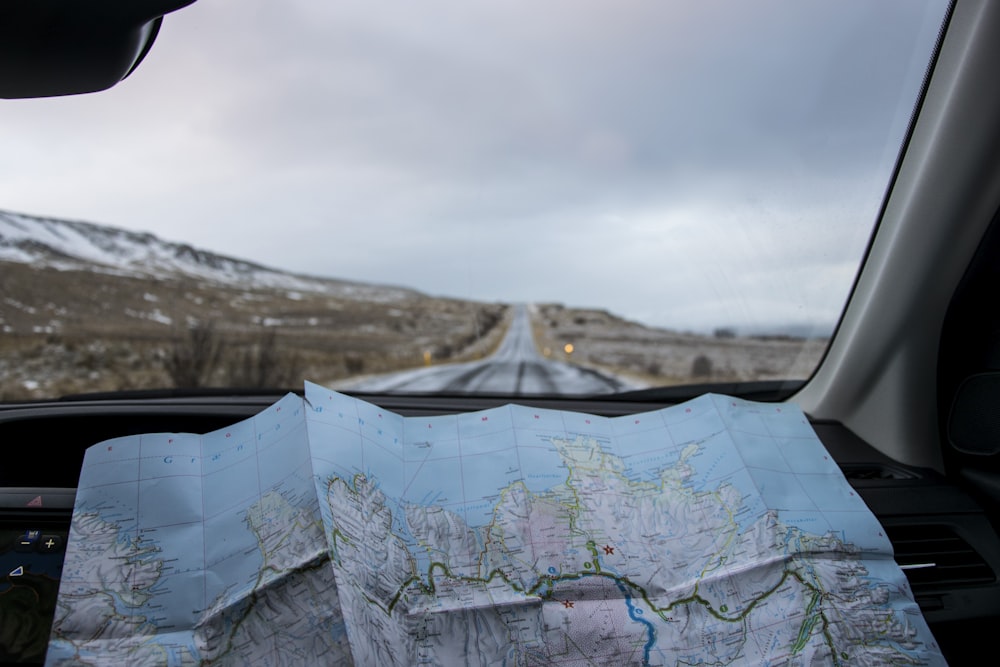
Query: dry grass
x=650, y=356
x=66, y=332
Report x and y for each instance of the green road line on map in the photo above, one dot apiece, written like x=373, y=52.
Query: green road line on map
x=807, y=625
x=336, y=536
x=544, y=586
x=549, y=581
x=829, y=641
x=592, y=546
x=429, y=588
x=574, y=507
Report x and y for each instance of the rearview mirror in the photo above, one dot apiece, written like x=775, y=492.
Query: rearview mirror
x=66, y=47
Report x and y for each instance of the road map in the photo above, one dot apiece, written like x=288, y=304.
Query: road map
x=327, y=530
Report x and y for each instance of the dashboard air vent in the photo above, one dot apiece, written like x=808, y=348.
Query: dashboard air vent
x=934, y=556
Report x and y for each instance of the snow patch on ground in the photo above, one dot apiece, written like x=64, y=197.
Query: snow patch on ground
x=14, y=303
x=156, y=315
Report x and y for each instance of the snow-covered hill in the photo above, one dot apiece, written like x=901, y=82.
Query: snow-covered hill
x=73, y=245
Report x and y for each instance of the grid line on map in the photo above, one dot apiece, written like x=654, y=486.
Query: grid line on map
x=138, y=526
x=819, y=511
x=256, y=456
x=521, y=472
x=461, y=467
x=204, y=537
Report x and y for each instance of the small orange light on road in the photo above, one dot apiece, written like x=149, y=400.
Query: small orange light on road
x=427, y=358
x=568, y=348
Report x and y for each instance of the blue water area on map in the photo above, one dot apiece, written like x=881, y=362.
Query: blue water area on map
x=467, y=474
x=717, y=459
x=636, y=614
x=760, y=451
x=459, y=462
x=693, y=427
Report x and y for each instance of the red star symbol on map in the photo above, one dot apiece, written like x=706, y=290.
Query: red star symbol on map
x=568, y=604
x=608, y=549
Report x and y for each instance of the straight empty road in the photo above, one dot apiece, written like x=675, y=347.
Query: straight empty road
x=515, y=368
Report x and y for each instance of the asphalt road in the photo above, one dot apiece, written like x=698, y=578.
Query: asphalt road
x=515, y=368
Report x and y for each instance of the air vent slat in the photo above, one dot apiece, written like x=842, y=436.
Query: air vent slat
x=934, y=556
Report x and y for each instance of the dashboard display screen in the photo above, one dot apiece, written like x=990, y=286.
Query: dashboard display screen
x=31, y=560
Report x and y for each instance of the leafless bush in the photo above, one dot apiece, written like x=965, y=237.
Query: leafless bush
x=701, y=367
x=194, y=357
x=354, y=363
x=262, y=365
x=488, y=318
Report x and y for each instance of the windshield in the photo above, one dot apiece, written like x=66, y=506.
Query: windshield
x=498, y=197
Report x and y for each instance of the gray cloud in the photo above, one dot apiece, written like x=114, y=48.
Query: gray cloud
x=688, y=165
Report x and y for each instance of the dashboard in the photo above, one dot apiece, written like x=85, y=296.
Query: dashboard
x=942, y=537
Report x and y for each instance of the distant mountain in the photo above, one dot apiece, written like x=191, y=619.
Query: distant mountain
x=790, y=330
x=73, y=245
x=87, y=307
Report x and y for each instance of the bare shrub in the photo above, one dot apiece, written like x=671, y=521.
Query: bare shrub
x=354, y=364
x=490, y=318
x=701, y=367
x=193, y=358
x=261, y=365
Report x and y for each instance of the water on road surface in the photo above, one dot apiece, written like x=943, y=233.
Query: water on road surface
x=515, y=368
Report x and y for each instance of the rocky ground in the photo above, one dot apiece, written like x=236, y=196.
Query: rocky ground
x=66, y=332
x=74, y=331
x=91, y=308
x=649, y=356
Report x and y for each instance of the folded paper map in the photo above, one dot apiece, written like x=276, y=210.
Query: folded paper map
x=327, y=530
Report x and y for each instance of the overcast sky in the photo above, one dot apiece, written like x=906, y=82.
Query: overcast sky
x=689, y=165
